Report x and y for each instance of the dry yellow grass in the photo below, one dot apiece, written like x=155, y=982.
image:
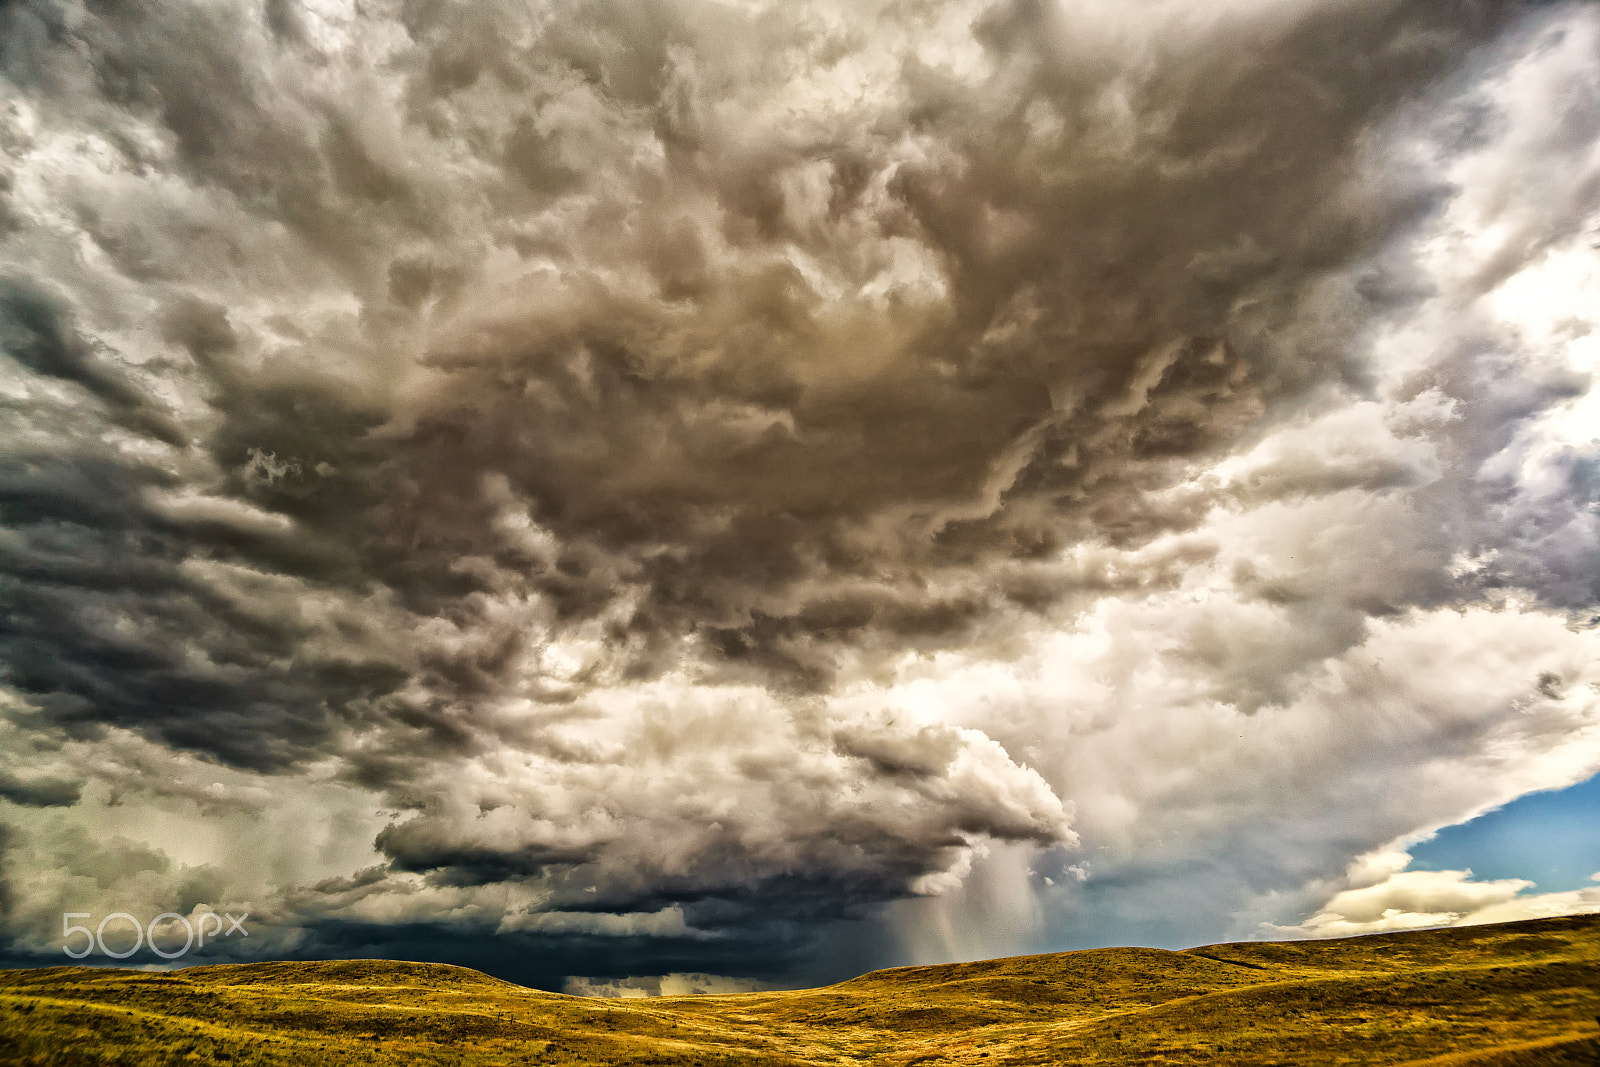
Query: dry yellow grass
x=1494, y=996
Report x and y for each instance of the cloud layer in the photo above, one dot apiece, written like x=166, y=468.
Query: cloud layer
x=690, y=488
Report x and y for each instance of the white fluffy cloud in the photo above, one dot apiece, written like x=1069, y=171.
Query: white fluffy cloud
x=1407, y=900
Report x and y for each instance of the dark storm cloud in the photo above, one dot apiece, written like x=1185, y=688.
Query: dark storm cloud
x=745, y=461
x=545, y=961
x=395, y=388
x=39, y=792
x=116, y=614
x=40, y=336
x=748, y=448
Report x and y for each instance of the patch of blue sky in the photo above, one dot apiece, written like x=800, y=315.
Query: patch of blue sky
x=1550, y=838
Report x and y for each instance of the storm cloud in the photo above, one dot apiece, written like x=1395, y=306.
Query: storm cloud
x=696, y=488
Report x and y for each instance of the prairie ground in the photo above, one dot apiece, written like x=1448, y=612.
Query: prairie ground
x=1489, y=996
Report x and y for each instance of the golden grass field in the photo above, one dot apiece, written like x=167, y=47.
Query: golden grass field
x=1487, y=996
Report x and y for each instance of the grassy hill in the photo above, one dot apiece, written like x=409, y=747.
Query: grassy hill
x=1489, y=996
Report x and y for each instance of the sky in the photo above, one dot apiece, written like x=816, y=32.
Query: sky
x=1550, y=838
x=646, y=495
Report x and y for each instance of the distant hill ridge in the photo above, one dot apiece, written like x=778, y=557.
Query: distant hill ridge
x=342, y=972
x=1522, y=993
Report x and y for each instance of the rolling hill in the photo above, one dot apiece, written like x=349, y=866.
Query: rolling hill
x=1490, y=996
